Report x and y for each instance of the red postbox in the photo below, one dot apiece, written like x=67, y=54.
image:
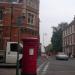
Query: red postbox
x=29, y=61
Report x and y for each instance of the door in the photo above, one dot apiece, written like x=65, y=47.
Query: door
x=2, y=52
x=11, y=54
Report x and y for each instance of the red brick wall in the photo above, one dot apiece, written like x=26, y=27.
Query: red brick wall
x=8, y=21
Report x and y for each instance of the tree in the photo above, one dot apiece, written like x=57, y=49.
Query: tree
x=39, y=50
x=57, y=40
x=48, y=49
x=57, y=37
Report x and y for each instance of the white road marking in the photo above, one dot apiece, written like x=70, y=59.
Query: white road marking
x=40, y=67
x=45, y=68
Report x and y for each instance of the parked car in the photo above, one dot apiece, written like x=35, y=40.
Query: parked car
x=62, y=56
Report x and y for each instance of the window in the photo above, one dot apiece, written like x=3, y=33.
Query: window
x=12, y=0
x=30, y=19
x=1, y=0
x=22, y=30
x=14, y=48
x=33, y=3
x=20, y=1
x=63, y=33
x=1, y=47
x=74, y=28
x=1, y=14
x=29, y=2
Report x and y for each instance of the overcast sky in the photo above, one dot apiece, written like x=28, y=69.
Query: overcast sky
x=53, y=12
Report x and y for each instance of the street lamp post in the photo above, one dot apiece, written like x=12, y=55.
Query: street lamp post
x=43, y=39
x=44, y=34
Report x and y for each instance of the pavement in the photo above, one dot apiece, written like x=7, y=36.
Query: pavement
x=10, y=69
x=47, y=66
x=41, y=60
x=7, y=65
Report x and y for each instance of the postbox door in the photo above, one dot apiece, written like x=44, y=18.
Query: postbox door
x=30, y=54
x=29, y=61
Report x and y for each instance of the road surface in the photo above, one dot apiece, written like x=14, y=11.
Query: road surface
x=57, y=67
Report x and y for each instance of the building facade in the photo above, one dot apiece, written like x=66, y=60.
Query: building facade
x=69, y=39
x=19, y=19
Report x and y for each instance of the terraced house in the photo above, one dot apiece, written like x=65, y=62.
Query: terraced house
x=69, y=38
x=18, y=16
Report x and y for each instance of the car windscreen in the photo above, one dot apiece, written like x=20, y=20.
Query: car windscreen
x=14, y=47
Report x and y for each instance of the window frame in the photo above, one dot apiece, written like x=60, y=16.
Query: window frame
x=31, y=17
x=16, y=50
x=1, y=14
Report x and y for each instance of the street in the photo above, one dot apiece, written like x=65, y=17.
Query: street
x=8, y=71
x=58, y=67
x=12, y=70
x=51, y=66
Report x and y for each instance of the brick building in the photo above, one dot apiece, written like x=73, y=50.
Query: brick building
x=69, y=38
x=18, y=16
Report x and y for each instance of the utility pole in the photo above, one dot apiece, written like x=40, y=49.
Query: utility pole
x=43, y=39
x=44, y=34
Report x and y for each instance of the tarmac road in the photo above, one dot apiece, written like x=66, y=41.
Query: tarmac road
x=58, y=67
